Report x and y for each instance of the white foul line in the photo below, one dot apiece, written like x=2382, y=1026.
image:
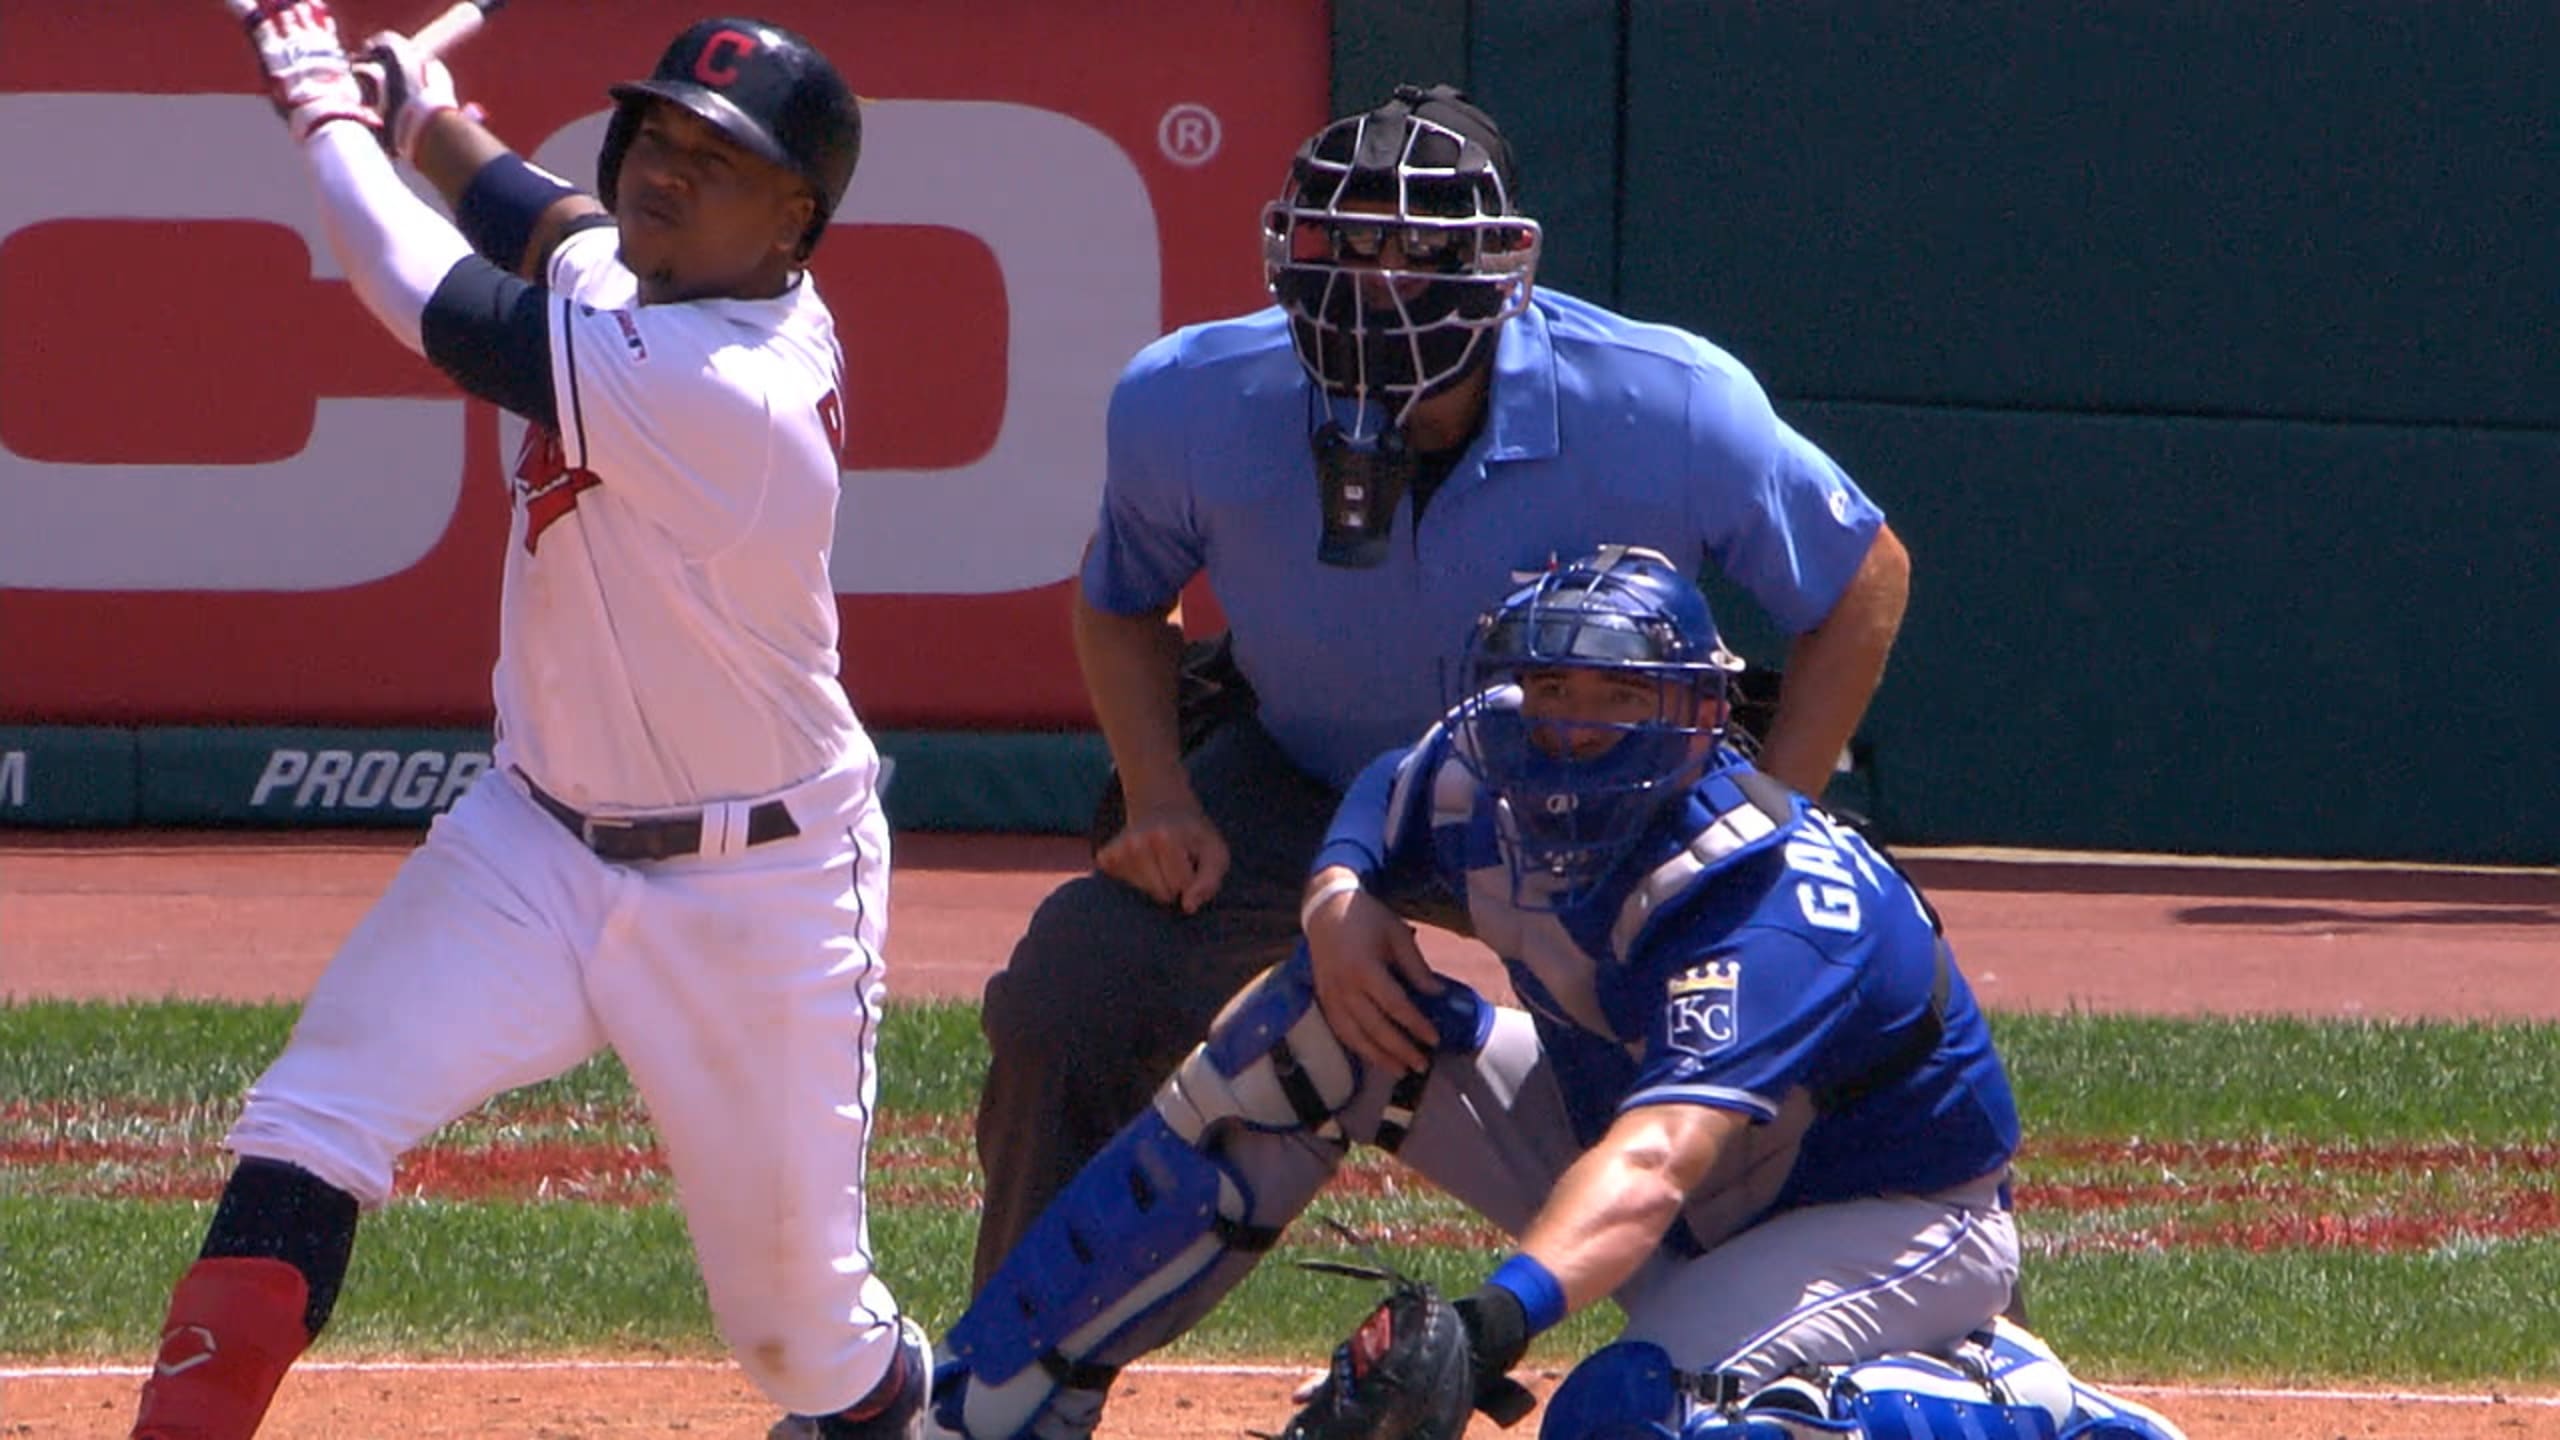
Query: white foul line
x=500, y=1367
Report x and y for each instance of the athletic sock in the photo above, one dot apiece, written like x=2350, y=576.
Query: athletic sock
x=894, y=1402
x=235, y=1326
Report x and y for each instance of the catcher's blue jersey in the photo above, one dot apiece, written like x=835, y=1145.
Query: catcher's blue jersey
x=1752, y=954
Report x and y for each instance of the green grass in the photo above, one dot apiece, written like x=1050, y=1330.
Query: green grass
x=2245, y=1079
x=2154, y=1254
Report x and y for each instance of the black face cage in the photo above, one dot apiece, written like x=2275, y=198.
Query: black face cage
x=1469, y=264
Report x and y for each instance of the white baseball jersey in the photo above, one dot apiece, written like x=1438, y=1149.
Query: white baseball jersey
x=668, y=630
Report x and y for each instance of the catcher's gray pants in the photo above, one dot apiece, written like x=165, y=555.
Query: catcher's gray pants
x=1826, y=1284
x=1107, y=990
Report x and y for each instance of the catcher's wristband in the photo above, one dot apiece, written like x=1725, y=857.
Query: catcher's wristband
x=1540, y=1294
x=1338, y=885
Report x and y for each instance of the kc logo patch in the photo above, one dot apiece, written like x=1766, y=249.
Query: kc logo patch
x=1704, y=1013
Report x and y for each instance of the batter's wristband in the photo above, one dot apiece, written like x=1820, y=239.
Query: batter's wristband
x=1540, y=1294
x=501, y=205
x=1338, y=885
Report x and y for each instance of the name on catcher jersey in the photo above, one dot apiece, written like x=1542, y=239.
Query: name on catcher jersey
x=1744, y=960
x=667, y=626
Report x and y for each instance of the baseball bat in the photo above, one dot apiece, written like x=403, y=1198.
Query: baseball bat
x=457, y=23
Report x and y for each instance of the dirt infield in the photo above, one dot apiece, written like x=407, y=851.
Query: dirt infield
x=559, y=1403
x=256, y=916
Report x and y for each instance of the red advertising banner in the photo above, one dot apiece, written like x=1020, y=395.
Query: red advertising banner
x=227, y=495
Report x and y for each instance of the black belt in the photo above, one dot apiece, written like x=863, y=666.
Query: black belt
x=655, y=837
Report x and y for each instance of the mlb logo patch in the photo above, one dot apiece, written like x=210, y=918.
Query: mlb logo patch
x=631, y=340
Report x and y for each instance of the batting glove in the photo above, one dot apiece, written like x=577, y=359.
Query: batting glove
x=409, y=86
x=308, y=75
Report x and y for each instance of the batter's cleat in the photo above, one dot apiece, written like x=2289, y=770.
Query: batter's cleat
x=898, y=1414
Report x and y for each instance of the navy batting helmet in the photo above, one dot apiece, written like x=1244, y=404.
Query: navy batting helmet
x=767, y=89
x=1576, y=791
x=1431, y=171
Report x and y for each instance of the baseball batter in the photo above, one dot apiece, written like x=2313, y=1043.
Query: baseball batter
x=678, y=850
x=1750, y=1097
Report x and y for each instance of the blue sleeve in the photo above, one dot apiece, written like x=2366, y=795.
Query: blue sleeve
x=1146, y=545
x=1798, y=528
x=1742, y=1022
x=1382, y=830
x=1358, y=839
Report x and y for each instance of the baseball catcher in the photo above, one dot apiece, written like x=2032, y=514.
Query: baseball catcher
x=1748, y=1096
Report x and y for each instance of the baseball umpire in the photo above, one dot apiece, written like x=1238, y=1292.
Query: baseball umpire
x=1355, y=470
x=1750, y=1097
x=678, y=850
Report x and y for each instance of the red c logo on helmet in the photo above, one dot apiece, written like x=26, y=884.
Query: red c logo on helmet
x=718, y=63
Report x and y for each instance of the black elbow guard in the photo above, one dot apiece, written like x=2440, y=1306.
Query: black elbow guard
x=491, y=332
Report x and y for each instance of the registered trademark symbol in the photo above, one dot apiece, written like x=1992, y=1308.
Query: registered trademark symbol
x=1188, y=134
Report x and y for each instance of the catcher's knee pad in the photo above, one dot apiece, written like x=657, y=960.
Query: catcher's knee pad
x=1271, y=1062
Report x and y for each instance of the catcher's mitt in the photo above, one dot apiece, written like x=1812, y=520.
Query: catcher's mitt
x=1405, y=1374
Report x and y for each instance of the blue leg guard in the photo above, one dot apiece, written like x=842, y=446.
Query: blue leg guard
x=2104, y=1415
x=1160, y=1225
x=1626, y=1391
x=2004, y=1384
x=1932, y=1397
x=1631, y=1391
x=2026, y=1369
x=1913, y=1415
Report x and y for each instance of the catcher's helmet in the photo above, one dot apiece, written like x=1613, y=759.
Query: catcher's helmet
x=765, y=88
x=1573, y=794
x=1430, y=170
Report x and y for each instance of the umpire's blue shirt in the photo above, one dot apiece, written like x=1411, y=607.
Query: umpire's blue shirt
x=1602, y=430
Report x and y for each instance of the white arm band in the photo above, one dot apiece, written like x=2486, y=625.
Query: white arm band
x=394, y=247
x=1342, y=884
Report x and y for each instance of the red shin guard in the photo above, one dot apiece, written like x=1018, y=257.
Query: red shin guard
x=235, y=1327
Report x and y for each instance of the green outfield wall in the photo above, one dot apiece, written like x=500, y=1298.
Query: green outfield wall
x=2206, y=356
x=54, y=777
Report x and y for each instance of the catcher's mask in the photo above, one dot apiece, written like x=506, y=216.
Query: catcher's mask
x=1397, y=250
x=1594, y=697
x=770, y=91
